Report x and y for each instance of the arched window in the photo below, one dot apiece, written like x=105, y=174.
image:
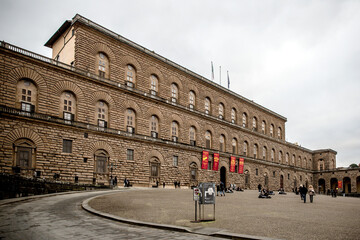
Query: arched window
x=154, y=126
x=254, y=124
x=280, y=156
x=101, y=159
x=26, y=95
x=279, y=133
x=154, y=82
x=263, y=127
x=130, y=76
x=244, y=120
x=304, y=165
x=174, y=92
x=245, y=148
x=191, y=99
x=293, y=159
x=130, y=120
x=271, y=130
x=264, y=152
x=193, y=174
x=255, y=150
x=221, y=111
x=272, y=154
x=234, y=146
x=207, y=105
x=233, y=115
x=68, y=105
x=222, y=143
x=103, y=65
x=299, y=162
x=154, y=170
x=24, y=150
x=101, y=114
x=287, y=158
x=174, y=131
x=192, y=135
x=208, y=141
x=247, y=178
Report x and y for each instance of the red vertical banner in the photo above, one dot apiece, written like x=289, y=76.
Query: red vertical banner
x=340, y=184
x=241, y=165
x=205, y=160
x=232, y=163
x=216, y=161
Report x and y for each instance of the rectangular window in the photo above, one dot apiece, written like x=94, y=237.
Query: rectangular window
x=130, y=154
x=154, y=170
x=273, y=173
x=24, y=157
x=67, y=146
x=256, y=172
x=175, y=160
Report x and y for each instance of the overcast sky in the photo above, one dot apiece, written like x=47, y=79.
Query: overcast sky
x=300, y=59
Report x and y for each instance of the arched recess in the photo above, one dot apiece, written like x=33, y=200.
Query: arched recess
x=62, y=86
x=101, y=145
x=196, y=91
x=128, y=60
x=94, y=97
x=322, y=186
x=194, y=123
x=156, y=154
x=102, y=47
x=333, y=183
x=195, y=160
x=175, y=117
x=358, y=184
x=222, y=100
x=19, y=73
x=173, y=79
x=133, y=105
x=18, y=133
x=346, y=185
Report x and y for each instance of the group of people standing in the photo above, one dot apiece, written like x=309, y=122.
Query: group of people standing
x=303, y=191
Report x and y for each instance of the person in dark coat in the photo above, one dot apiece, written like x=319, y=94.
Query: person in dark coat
x=222, y=189
x=303, y=192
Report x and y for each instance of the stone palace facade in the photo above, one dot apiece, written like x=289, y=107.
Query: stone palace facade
x=105, y=107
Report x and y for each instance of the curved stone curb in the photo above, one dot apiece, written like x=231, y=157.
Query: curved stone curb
x=220, y=234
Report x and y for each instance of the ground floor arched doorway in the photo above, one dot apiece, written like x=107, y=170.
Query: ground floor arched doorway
x=333, y=183
x=358, y=184
x=247, y=179
x=281, y=181
x=321, y=185
x=223, y=175
x=347, y=185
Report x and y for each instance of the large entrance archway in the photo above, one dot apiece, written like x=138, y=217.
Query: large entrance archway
x=223, y=175
x=281, y=181
x=347, y=185
x=333, y=183
x=322, y=185
x=358, y=184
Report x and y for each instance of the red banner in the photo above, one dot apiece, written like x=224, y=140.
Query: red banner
x=232, y=163
x=340, y=184
x=205, y=160
x=216, y=161
x=241, y=165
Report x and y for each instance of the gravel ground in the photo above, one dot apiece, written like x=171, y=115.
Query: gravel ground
x=282, y=216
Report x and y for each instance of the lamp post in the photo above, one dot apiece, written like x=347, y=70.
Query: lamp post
x=111, y=167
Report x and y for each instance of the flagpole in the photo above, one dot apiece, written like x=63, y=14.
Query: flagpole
x=212, y=71
x=228, y=79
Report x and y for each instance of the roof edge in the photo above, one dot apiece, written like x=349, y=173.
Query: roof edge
x=58, y=33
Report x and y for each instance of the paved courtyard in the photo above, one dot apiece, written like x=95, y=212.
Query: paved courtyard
x=282, y=216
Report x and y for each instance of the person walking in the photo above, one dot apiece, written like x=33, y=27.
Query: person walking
x=303, y=192
x=222, y=189
x=300, y=190
x=311, y=193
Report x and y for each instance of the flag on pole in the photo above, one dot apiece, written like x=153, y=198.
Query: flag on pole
x=228, y=79
x=212, y=71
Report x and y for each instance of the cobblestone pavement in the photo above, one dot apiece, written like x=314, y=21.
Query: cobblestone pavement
x=61, y=217
x=282, y=216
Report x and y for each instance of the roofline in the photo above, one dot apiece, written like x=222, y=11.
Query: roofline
x=89, y=23
x=324, y=150
x=58, y=33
